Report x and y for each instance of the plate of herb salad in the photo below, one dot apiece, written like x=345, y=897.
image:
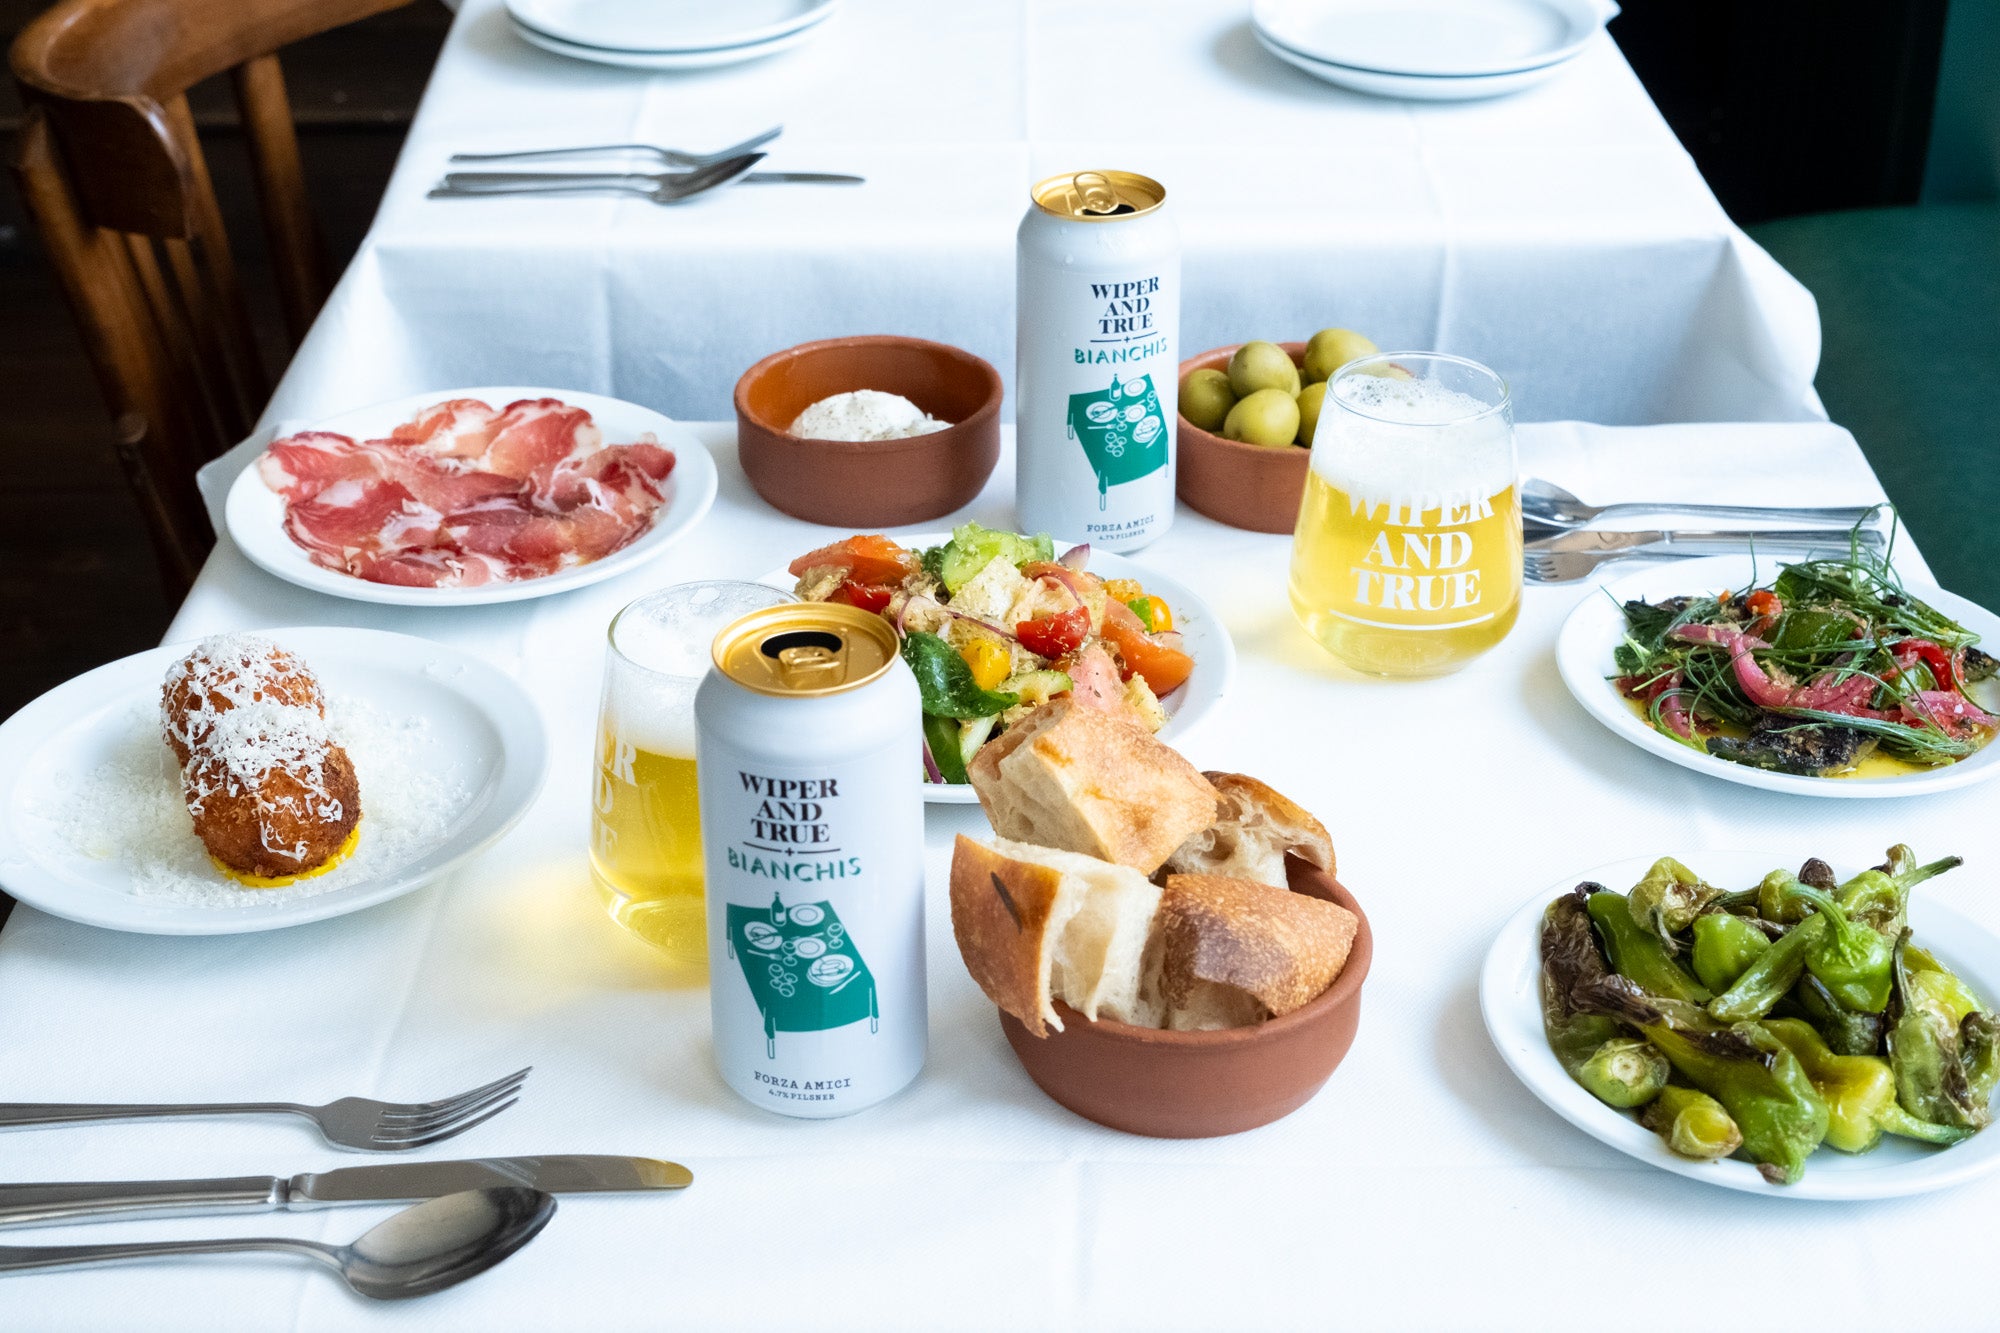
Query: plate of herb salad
x=996, y=623
x=1828, y=677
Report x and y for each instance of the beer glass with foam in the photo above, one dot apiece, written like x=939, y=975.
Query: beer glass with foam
x=1407, y=557
x=645, y=828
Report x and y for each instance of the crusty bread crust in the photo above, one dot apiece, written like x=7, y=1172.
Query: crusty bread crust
x=1252, y=834
x=1006, y=917
x=1280, y=948
x=1080, y=780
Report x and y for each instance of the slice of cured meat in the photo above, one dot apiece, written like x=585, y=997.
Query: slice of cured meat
x=462, y=494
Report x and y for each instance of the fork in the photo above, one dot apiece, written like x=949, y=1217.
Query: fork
x=670, y=157
x=1570, y=566
x=1547, y=503
x=661, y=190
x=360, y=1123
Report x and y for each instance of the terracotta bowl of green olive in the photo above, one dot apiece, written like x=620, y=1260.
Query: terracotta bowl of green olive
x=869, y=483
x=1243, y=485
x=1196, y=1085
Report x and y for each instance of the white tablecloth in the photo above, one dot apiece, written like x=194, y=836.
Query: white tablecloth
x=1561, y=235
x=1423, y=1187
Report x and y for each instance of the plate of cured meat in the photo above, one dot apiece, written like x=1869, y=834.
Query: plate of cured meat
x=467, y=496
x=252, y=781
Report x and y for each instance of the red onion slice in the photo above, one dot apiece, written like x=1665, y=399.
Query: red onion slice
x=1076, y=557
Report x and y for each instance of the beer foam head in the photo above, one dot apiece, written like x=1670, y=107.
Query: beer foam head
x=660, y=651
x=1412, y=442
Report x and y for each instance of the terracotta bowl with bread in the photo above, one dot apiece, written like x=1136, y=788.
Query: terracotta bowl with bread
x=1243, y=485
x=869, y=483
x=1169, y=950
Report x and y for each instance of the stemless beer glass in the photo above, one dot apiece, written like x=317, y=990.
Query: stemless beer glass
x=1407, y=558
x=645, y=829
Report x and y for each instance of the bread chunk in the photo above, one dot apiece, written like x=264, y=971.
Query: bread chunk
x=1035, y=924
x=1080, y=780
x=1253, y=832
x=1230, y=951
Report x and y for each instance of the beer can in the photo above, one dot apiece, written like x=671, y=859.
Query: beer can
x=1097, y=360
x=807, y=757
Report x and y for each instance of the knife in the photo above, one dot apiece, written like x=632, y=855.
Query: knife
x=1592, y=541
x=392, y=1182
x=492, y=180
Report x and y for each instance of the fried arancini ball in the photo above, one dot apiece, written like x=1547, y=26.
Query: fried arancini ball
x=286, y=820
x=226, y=672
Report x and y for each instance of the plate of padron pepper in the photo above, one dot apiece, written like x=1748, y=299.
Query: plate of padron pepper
x=1780, y=1031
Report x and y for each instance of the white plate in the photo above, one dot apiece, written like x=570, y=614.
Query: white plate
x=1510, y=1000
x=664, y=60
x=1204, y=639
x=1409, y=87
x=484, y=740
x=1432, y=38
x=1597, y=626
x=255, y=514
x=664, y=27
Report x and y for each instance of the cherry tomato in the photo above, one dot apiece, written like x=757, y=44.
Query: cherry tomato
x=868, y=596
x=1763, y=602
x=1157, y=616
x=1164, y=668
x=867, y=559
x=1053, y=636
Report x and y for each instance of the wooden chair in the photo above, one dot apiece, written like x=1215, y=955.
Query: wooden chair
x=114, y=179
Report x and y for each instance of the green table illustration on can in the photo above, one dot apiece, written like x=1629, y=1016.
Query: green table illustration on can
x=1122, y=431
x=803, y=968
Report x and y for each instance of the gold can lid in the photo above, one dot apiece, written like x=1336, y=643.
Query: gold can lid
x=1099, y=196
x=806, y=648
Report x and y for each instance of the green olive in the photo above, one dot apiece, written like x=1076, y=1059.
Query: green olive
x=1330, y=349
x=1310, y=399
x=1206, y=398
x=1268, y=417
x=1260, y=365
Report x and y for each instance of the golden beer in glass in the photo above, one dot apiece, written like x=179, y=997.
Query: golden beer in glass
x=645, y=831
x=1407, y=557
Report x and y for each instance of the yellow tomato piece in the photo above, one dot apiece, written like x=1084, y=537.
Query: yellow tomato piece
x=990, y=662
x=1158, y=614
x=1124, y=589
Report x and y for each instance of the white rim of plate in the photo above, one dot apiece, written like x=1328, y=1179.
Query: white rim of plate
x=520, y=12
x=254, y=514
x=1583, y=657
x=1411, y=87
x=1217, y=645
x=496, y=696
x=1509, y=1002
x=1585, y=19
x=663, y=61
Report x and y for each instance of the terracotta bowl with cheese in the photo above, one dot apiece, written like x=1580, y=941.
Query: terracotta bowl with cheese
x=1191, y=1085
x=869, y=483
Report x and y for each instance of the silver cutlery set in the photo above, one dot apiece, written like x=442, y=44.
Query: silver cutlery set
x=466, y=1216
x=1562, y=547
x=686, y=174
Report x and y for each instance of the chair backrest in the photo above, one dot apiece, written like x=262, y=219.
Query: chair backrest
x=113, y=177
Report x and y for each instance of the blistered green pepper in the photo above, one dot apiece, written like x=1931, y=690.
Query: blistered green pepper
x=1979, y=1052
x=1769, y=976
x=1939, y=986
x=1856, y=964
x=1637, y=953
x=1724, y=947
x=1778, y=900
x=1931, y=1080
x=1693, y=1123
x=1842, y=1029
x=1880, y=898
x=1668, y=899
x=1623, y=1072
x=1859, y=1091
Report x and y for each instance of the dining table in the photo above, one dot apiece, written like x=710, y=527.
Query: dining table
x=1562, y=233
x=1423, y=1187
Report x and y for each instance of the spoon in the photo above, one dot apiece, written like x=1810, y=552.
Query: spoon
x=1546, y=502
x=423, y=1249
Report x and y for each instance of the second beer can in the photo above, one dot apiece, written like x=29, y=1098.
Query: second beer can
x=1097, y=360
x=807, y=745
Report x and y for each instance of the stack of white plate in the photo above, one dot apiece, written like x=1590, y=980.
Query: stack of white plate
x=1429, y=50
x=667, y=34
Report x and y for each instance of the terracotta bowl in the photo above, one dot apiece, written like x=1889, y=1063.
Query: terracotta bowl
x=1243, y=485
x=877, y=483
x=1193, y=1085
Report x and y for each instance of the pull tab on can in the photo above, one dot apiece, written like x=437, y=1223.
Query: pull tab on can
x=806, y=648
x=1099, y=196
